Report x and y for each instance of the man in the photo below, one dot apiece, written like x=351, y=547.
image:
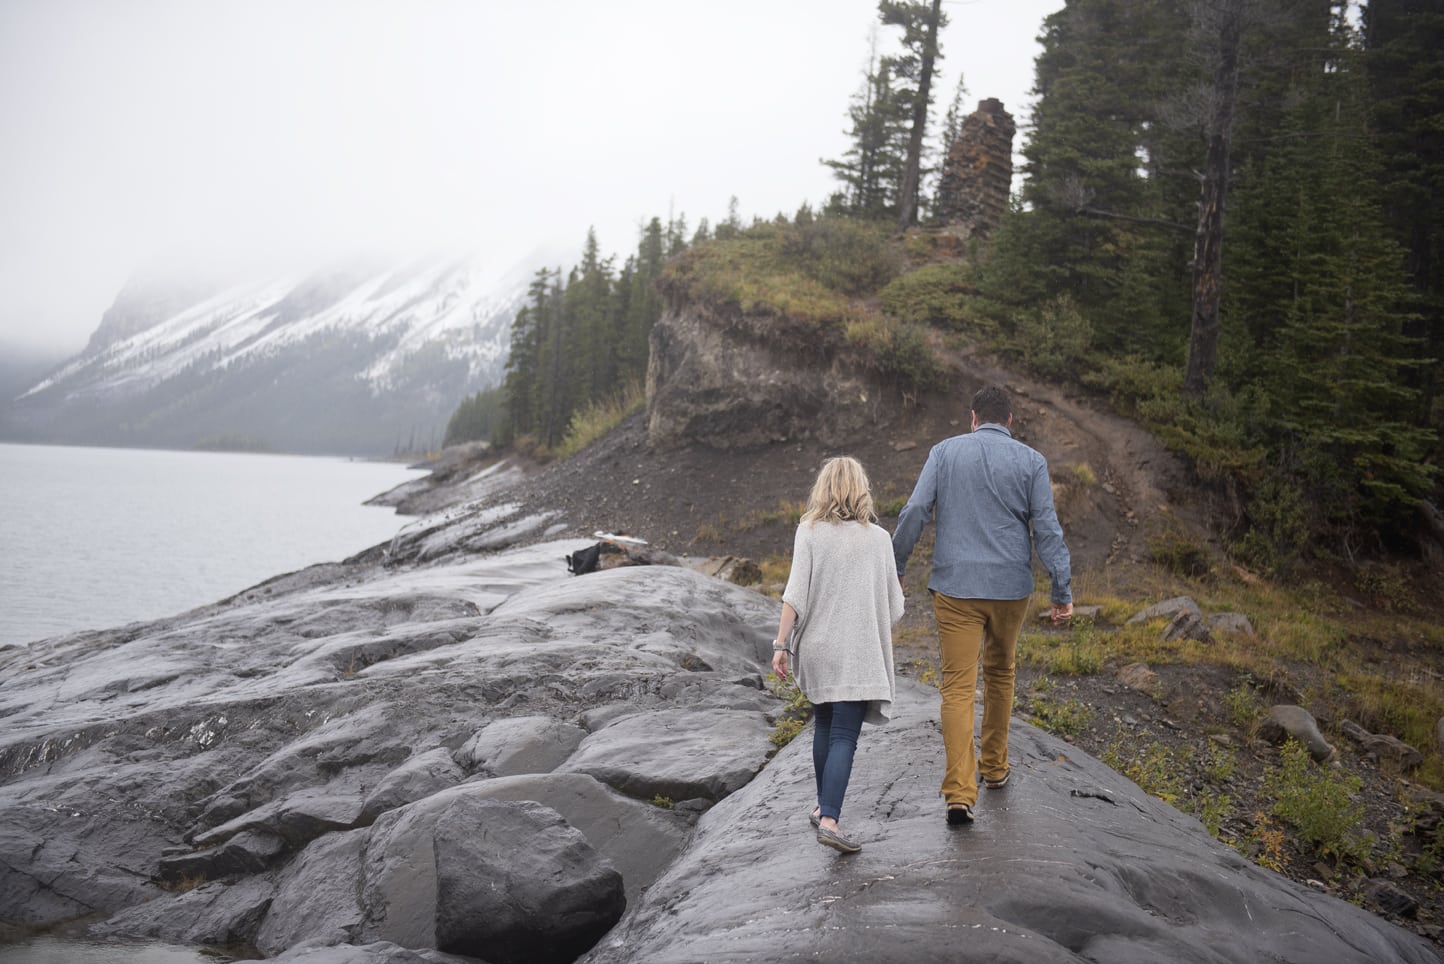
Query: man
x=993, y=504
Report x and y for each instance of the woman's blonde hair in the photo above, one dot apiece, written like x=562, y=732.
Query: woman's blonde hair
x=840, y=494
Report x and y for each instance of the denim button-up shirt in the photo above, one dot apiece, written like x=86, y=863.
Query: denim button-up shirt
x=986, y=487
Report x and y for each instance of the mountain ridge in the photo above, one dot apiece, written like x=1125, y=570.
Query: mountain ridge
x=359, y=356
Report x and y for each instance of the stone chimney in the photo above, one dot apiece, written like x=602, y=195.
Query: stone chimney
x=978, y=172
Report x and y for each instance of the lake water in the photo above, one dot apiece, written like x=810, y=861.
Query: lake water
x=95, y=537
x=62, y=950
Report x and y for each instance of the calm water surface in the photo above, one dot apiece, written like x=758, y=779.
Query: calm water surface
x=60, y=950
x=95, y=537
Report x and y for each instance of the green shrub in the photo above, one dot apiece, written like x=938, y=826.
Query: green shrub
x=1055, y=338
x=1066, y=718
x=1242, y=706
x=892, y=508
x=846, y=255
x=796, y=708
x=1386, y=586
x=1321, y=804
x=897, y=351
x=935, y=294
x=1212, y=810
x=1079, y=651
x=749, y=271
x=1179, y=554
x=599, y=418
x=1156, y=769
x=1279, y=526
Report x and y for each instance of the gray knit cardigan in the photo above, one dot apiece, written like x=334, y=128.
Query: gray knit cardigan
x=845, y=589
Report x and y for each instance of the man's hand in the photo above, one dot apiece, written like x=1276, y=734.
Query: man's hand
x=1062, y=613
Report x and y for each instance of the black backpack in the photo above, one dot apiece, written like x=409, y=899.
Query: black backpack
x=583, y=561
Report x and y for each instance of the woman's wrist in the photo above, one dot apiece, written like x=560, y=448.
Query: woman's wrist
x=779, y=646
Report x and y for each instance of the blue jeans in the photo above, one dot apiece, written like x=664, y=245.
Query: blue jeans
x=834, y=741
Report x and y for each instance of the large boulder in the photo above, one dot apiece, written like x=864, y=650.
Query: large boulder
x=677, y=754
x=522, y=744
x=640, y=839
x=1287, y=721
x=507, y=882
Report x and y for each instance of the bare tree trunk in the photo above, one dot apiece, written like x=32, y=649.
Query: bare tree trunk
x=907, y=206
x=1208, y=245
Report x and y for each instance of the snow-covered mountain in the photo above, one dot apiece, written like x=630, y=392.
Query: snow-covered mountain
x=362, y=357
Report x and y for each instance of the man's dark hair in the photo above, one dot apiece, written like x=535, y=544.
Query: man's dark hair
x=991, y=404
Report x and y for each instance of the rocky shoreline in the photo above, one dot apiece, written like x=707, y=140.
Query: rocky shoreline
x=448, y=749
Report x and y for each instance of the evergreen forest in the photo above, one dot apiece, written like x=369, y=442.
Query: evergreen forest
x=1230, y=224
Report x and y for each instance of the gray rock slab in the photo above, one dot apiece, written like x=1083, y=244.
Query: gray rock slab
x=1236, y=623
x=677, y=754
x=58, y=863
x=297, y=819
x=377, y=952
x=1070, y=862
x=641, y=840
x=1382, y=746
x=215, y=914
x=510, y=882
x=1186, y=624
x=317, y=897
x=520, y=744
x=720, y=691
x=248, y=852
x=669, y=612
x=421, y=776
x=1166, y=610
x=1286, y=720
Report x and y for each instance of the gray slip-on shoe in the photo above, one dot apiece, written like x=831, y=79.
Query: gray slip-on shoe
x=815, y=819
x=835, y=840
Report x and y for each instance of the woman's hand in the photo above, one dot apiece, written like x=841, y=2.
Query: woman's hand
x=779, y=663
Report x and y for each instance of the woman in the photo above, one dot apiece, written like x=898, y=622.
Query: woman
x=841, y=601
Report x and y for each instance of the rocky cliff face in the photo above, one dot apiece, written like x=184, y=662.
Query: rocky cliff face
x=717, y=377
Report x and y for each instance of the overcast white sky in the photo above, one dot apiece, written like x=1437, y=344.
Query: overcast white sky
x=240, y=130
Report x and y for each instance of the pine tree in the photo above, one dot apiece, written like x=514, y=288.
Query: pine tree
x=913, y=69
x=529, y=332
x=1404, y=43
x=1102, y=221
x=1335, y=302
x=871, y=168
